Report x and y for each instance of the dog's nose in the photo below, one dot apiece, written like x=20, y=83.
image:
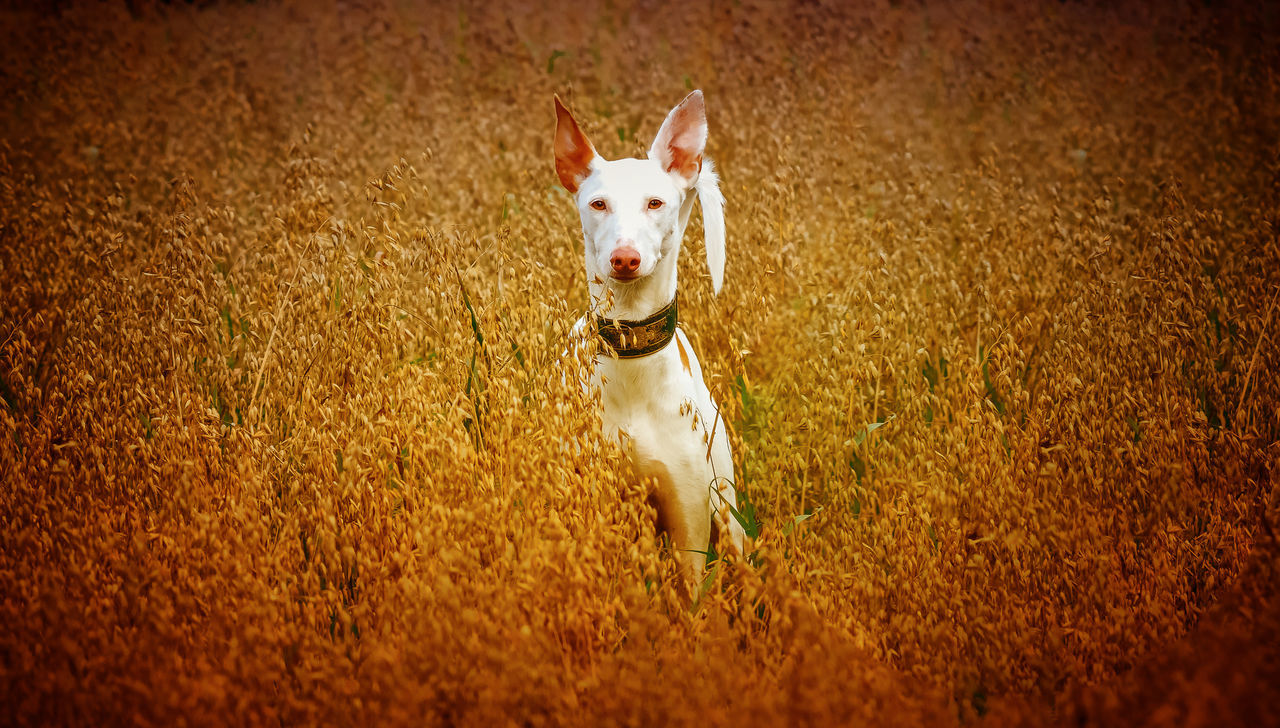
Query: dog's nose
x=625, y=261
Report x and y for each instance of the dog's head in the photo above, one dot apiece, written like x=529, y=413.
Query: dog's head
x=634, y=211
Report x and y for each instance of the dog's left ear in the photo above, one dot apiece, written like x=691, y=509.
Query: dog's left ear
x=678, y=148
x=712, y=201
x=681, y=140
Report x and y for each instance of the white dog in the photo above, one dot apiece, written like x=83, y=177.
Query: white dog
x=634, y=213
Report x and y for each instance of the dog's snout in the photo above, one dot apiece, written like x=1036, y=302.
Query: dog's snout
x=625, y=261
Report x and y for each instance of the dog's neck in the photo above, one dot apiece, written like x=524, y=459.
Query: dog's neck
x=639, y=299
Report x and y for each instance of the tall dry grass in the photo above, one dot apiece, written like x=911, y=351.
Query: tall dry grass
x=285, y=437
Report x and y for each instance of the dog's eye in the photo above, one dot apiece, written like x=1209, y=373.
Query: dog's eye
x=655, y=204
x=597, y=205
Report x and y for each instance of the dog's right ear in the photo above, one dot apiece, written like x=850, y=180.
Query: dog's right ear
x=574, y=152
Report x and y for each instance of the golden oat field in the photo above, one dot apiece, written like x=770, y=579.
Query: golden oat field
x=286, y=436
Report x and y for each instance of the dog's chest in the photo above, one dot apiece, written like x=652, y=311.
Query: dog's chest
x=655, y=405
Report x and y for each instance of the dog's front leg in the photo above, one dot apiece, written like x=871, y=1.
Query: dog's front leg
x=684, y=512
x=691, y=537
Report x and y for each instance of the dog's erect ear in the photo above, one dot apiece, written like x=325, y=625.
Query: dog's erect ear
x=678, y=148
x=683, y=137
x=574, y=152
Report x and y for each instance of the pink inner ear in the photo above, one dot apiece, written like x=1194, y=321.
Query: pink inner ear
x=683, y=162
x=684, y=147
x=574, y=151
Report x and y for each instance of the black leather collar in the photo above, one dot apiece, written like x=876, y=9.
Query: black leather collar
x=634, y=339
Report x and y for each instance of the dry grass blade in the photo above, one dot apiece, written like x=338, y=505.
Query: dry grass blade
x=275, y=325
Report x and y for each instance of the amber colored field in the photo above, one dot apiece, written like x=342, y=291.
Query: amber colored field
x=285, y=437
